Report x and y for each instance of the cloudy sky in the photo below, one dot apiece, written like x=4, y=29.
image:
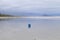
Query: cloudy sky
x=30, y=6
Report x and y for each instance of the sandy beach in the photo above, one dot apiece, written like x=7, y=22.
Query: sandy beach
x=17, y=29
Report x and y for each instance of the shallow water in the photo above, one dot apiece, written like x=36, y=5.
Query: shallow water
x=41, y=29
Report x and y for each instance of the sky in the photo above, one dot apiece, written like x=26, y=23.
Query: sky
x=30, y=7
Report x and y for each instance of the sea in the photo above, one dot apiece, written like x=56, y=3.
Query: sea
x=40, y=29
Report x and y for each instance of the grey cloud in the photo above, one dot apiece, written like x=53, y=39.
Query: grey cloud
x=31, y=5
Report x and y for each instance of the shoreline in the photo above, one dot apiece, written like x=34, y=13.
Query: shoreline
x=40, y=17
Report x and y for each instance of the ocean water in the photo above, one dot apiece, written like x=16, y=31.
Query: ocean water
x=41, y=29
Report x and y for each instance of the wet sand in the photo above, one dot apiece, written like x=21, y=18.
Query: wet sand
x=41, y=29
